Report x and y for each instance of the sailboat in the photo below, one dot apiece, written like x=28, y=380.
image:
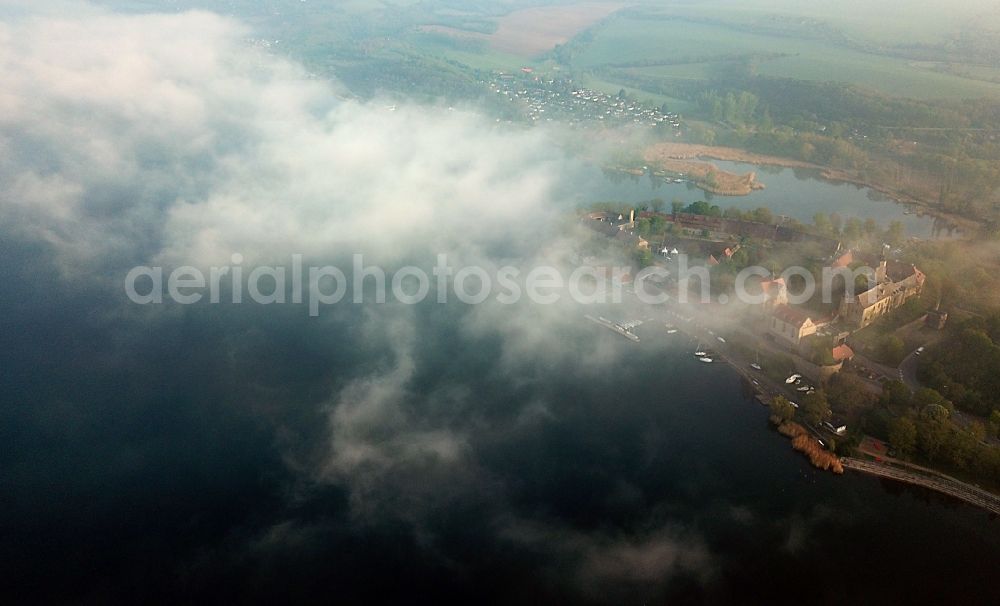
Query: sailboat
x=756, y=363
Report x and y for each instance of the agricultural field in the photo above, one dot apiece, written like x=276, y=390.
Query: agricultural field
x=471, y=50
x=672, y=48
x=533, y=31
x=884, y=23
x=884, y=74
x=677, y=105
x=530, y=32
x=986, y=73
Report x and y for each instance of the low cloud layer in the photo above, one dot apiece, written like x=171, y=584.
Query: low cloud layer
x=166, y=139
x=157, y=139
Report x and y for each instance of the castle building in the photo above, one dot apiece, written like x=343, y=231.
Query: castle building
x=895, y=284
x=776, y=292
x=790, y=325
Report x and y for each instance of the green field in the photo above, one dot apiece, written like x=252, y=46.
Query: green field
x=703, y=48
x=476, y=54
x=887, y=75
x=881, y=23
x=700, y=70
x=674, y=104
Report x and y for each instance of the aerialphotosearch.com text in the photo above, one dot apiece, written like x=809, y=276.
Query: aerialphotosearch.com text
x=318, y=286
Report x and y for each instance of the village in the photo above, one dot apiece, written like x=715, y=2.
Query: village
x=549, y=99
x=816, y=339
x=717, y=242
x=811, y=364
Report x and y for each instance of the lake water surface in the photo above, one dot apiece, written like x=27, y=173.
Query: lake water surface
x=797, y=193
x=702, y=450
x=582, y=469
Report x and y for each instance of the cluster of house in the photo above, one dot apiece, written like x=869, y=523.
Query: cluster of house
x=622, y=228
x=742, y=228
x=618, y=227
x=894, y=283
x=548, y=99
x=790, y=326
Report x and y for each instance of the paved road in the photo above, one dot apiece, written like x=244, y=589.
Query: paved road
x=908, y=375
x=877, y=368
x=908, y=367
x=908, y=371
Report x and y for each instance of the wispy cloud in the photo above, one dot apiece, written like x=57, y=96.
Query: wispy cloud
x=165, y=139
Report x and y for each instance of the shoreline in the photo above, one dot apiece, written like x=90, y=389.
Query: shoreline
x=804, y=442
x=704, y=175
x=692, y=151
x=929, y=479
x=695, y=173
x=764, y=390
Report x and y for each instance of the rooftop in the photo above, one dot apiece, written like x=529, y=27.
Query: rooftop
x=790, y=315
x=842, y=352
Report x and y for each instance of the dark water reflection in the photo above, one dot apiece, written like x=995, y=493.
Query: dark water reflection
x=161, y=473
